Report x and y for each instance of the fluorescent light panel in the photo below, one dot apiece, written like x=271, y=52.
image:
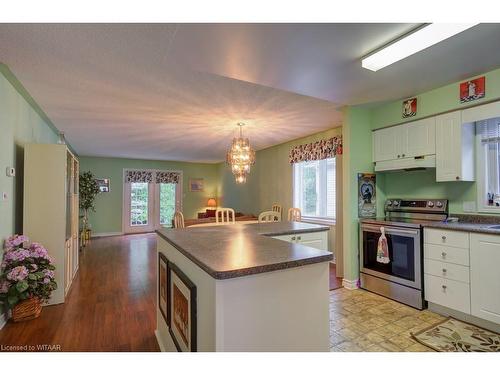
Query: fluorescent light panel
x=415, y=42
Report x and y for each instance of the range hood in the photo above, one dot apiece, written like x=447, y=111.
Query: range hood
x=406, y=164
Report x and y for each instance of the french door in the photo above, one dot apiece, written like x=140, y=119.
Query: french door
x=150, y=205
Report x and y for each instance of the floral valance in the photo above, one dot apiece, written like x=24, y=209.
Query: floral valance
x=138, y=176
x=159, y=177
x=167, y=177
x=323, y=149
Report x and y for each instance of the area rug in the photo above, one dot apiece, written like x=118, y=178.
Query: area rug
x=452, y=335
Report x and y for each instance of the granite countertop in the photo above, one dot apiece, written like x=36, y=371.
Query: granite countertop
x=228, y=251
x=469, y=223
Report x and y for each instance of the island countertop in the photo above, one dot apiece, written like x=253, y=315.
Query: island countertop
x=229, y=251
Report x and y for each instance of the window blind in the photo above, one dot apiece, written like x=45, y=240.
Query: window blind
x=489, y=130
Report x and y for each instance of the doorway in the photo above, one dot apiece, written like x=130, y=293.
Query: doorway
x=150, y=201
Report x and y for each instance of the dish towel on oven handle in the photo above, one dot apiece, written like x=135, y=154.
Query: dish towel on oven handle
x=382, y=248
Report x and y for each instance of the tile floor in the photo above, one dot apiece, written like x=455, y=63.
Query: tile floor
x=364, y=321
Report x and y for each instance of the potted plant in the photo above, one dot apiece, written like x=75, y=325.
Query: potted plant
x=88, y=190
x=27, y=278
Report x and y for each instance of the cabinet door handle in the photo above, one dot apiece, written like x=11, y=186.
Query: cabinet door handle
x=293, y=238
x=399, y=156
x=403, y=155
x=299, y=238
x=457, y=178
x=444, y=287
x=443, y=255
x=444, y=271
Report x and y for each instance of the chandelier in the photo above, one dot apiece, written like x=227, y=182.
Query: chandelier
x=240, y=157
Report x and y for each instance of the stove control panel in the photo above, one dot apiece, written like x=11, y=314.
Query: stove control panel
x=417, y=205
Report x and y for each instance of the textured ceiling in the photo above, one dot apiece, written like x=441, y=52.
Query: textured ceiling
x=175, y=92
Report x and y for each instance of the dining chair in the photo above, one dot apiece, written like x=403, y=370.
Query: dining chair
x=268, y=216
x=294, y=214
x=178, y=220
x=225, y=216
x=277, y=208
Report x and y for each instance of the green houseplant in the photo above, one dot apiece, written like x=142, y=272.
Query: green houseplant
x=88, y=189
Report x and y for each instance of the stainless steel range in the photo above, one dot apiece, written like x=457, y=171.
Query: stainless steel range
x=402, y=278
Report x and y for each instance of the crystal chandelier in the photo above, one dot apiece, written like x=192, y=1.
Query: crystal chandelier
x=240, y=157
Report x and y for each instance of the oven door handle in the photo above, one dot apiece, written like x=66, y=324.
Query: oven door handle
x=389, y=230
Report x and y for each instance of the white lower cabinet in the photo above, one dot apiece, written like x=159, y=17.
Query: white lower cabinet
x=449, y=293
x=485, y=276
x=317, y=240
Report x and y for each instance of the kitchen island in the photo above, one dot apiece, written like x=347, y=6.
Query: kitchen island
x=259, y=287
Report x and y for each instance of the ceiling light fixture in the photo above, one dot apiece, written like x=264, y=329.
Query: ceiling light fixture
x=413, y=43
x=240, y=157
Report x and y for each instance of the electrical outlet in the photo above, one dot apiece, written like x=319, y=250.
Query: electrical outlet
x=469, y=206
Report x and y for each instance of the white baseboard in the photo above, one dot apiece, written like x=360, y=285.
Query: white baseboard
x=350, y=284
x=107, y=234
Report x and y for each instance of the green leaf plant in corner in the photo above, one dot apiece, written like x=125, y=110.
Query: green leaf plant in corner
x=88, y=190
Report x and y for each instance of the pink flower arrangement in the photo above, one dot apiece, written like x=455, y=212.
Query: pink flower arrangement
x=26, y=271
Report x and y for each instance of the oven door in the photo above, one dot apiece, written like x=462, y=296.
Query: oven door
x=404, y=254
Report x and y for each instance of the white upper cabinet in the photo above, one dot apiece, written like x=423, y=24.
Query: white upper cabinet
x=416, y=138
x=484, y=276
x=421, y=137
x=454, y=148
x=385, y=144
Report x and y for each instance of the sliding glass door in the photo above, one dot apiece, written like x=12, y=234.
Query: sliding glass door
x=149, y=203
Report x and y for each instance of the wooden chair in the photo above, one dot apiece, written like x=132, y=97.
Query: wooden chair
x=225, y=216
x=178, y=220
x=277, y=208
x=294, y=214
x=268, y=216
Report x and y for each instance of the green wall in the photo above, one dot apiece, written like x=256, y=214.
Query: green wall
x=21, y=122
x=422, y=184
x=108, y=215
x=270, y=180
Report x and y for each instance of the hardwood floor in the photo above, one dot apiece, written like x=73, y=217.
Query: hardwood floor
x=335, y=282
x=110, y=307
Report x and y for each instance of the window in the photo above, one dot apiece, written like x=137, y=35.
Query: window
x=488, y=148
x=314, y=188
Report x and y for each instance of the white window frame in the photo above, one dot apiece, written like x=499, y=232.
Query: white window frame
x=481, y=178
x=319, y=219
x=153, y=191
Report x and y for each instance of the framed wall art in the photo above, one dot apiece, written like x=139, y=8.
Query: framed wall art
x=473, y=89
x=163, y=287
x=196, y=184
x=367, y=205
x=183, y=327
x=103, y=184
x=409, y=107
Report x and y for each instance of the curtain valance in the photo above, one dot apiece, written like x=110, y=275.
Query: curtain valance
x=167, y=177
x=138, y=176
x=159, y=177
x=323, y=149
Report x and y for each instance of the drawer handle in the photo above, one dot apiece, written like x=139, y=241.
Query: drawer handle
x=444, y=271
x=443, y=238
x=444, y=287
x=443, y=255
x=299, y=238
x=293, y=238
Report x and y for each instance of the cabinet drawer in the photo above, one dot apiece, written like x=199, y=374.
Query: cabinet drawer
x=287, y=238
x=446, y=238
x=449, y=293
x=446, y=254
x=445, y=270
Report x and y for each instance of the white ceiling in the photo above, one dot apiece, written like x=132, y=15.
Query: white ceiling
x=165, y=91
